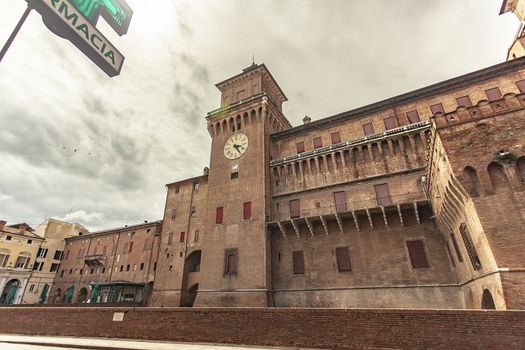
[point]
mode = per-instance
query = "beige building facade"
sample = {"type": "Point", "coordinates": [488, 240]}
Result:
{"type": "Point", "coordinates": [49, 258]}
{"type": "Point", "coordinates": [19, 248]}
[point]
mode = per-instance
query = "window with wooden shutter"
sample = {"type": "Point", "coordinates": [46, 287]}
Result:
{"type": "Point", "coordinates": [382, 195]}
{"type": "Point", "coordinates": [464, 101]}
{"type": "Point", "coordinates": [196, 236]}
{"type": "Point", "coordinates": [413, 117]}
{"type": "Point", "coordinates": [218, 216]}
{"type": "Point", "coordinates": [170, 238]}
{"type": "Point", "coordinates": [336, 138]}
{"type": "Point", "coordinates": [418, 257]}
{"type": "Point", "coordinates": [182, 237]}
{"type": "Point", "coordinates": [318, 143]}
{"type": "Point", "coordinates": [340, 202]}
{"type": "Point", "coordinates": [294, 209]}
{"type": "Point", "coordinates": [343, 259]}
{"type": "Point", "coordinates": [247, 211]}
{"type": "Point", "coordinates": [521, 85]}
{"type": "Point", "coordinates": [390, 123]}
{"type": "Point", "coordinates": [230, 262]}
{"type": "Point", "coordinates": [130, 247]}
{"type": "Point", "coordinates": [300, 147]}
{"type": "Point", "coordinates": [368, 129]}
{"type": "Point", "coordinates": [298, 262]}
{"type": "Point", "coordinates": [469, 245]}
{"type": "Point", "coordinates": [437, 108]}
{"type": "Point", "coordinates": [493, 94]}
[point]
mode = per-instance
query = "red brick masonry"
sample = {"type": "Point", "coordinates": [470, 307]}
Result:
{"type": "Point", "coordinates": [314, 328]}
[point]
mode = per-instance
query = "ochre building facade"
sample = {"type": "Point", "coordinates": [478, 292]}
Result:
{"type": "Point", "coordinates": [411, 202]}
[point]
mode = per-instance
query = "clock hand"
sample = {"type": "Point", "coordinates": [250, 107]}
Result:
{"type": "Point", "coordinates": [236, 146]}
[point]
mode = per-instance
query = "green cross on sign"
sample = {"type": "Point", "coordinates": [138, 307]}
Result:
{"type": "Point", "coordinates": [116, 12]}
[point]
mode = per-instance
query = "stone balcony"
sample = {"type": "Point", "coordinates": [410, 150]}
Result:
{"type": "Point", "coordinates": [398, 210]}
{"type": "Point", "coordinates": [95, 260]}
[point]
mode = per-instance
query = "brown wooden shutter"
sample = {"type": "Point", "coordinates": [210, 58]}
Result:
{"type": "Point", "coordinates": [413, 117]}
{"type": "Point", "coordinates": [416, 249]}
{"type": "Point", "coordinates": [390, 123]}
{"type": "Point", "coordinates": [196, 236]}
{"type": "Point", "coordinates": [170, 238]}
{"type": "Point", "coordinates": [340, 202]}
{"type": "Point", "coordinates": [437, 108]}
{"type": "Point", "coordinates": [318, 143]}
{"type": "Point", "coordinates": [343, 259]}
{"type": "Point", "coordinates": [464, 101]}
{"type": "Point", "coordinates": [247, 211]}
{"type": "Point", "coordinates": [218, 217]}
{"type": "Point", "coordinates": [231, 263]}
{"type": "Point", "coordinates": [382, 195]}
{"type": "Point", "coordinates": [493, 94]}
{"type": "Point", "coordinates": [300, 147]}
{"type": "Point", "coordinates": [521, 85]}
{"type": "Point", "coordinates": [294, 208]}
{"type": "Point", "coordinates": [336, 138]}
{"type": "Point", "coordinates": [182, 236]}
{"type": "Point", "coordinates": [298, 262]}
{"type": "Point", "coordinates": [130, 247]}
{"type": "Point", "coordinates": [368, 129]}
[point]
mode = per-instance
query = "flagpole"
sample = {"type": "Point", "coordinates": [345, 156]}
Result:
{"type": "Point", "coordinates": [15, 32]}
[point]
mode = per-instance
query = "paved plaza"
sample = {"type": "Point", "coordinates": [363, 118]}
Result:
{"type": "Point", "coordinates": [24, 342]}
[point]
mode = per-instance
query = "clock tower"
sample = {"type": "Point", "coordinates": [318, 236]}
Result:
{"type": "Point", "coordinates": [235, 263]}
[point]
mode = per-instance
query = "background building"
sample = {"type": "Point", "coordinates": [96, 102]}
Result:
{"type": "Point", "coordinates": [110, 266]}
{"type": "Point", "coordinates": [48, 258]}
{"type": "Point", "coordinates": [19, 247]}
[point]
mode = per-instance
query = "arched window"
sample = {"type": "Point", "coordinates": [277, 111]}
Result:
{"type": "Point", "coordinates": [520, 169]}
{"type": "Point", "coordinates": [238, 122]}
{"type": "Point", "coordinates": [193, 261]}
{"type": "Point", "coordinates": [487, 302]}
{"type": "Point", "coordinates": [82, 295]}
{"type": "Point", "coordinates": [471, 182]}
{"type": "Point", "coordinates": [498, 179]}
{"type": "Point", "coordinates": [232, 124]}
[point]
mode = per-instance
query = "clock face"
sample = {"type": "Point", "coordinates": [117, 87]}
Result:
{"type": "Point", "coordinates": [236, 146]}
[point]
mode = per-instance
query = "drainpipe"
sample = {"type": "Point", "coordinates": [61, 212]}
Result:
{"type": "Point", "coordinates": [114, 256]}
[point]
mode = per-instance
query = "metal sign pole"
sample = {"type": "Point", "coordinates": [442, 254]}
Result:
{"type": "Point", "coordinates": [15, 32]}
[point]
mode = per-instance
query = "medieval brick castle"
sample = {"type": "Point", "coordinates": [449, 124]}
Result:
{"type": "Point", "coordinates": [416, 201]}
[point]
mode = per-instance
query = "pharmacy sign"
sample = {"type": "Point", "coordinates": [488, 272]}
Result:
{"type": "Point", "coordinates": [76, 21]}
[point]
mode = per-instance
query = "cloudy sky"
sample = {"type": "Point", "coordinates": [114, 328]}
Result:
{"type": "Point", "coordinates": [79, 146]}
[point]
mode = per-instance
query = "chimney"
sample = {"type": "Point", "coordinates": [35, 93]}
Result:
{"type": "Point", "coordinates": [2, 224]}
{"type": "Point", "coordinates": [306, 119]}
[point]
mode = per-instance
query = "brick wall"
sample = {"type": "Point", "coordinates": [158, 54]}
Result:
{"type": "Point", "coordinates": [316, 328]}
